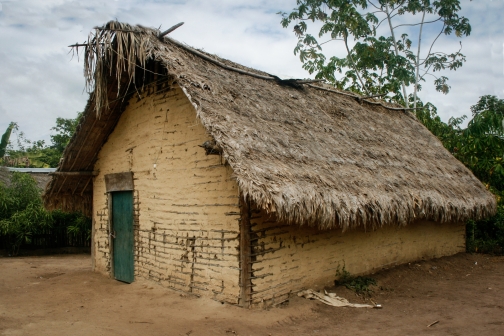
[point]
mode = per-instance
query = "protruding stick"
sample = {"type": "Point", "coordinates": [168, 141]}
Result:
{"type": "Point", "coordinates": [168, 31]}
{"type": "Point", "coordinates": [78, 45]}
{"type": "Point", "coordinates": [430, 325]}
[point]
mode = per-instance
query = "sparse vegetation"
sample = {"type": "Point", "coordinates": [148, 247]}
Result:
{"type": "Point", "coordinates": [359, 284]}
{"type": "Point", "coordinates": [36, 154]}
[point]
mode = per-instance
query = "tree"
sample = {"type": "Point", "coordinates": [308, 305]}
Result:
{"type": "Point", "coordinates": [36, 153]}
{"type": "Point", "coordinates": [6, 137]}
{"type": "Point", "coordinates": [65, 128]}
{"type": "Point", "coordinates": [378, 64]}
{"type": "Point", "coordinates": [479, 146]}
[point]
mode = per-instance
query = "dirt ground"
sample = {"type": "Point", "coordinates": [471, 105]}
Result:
{"type": "Point", "coordinates": [59, 295]}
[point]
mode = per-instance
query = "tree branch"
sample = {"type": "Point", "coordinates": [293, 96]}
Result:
{"type": "Point", "coordinates": [385, 18]}
{"type": "Point", "coordinates": [416, 24]}
{"type": "Point", "coordinates": [372, 4]}
{"type": "Point", "coordinates": [334, 39]}
{"type": "Point", "coordinates": [417, 61]}
{"type": "Point", "coordinates": [426, 73]}
{"type": "Point", "coordinates": [353, 63]}
{"type": "Point", "coordinates": [432, 45]}
{"type": "Point", "coordinates": [396, 51]}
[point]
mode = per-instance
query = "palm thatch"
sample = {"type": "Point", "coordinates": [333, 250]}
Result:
{"type": "Point", "coordinates": [311, 155]}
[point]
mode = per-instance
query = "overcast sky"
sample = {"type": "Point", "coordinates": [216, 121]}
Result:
{"type": "Point", "coordinates": [39, 80]}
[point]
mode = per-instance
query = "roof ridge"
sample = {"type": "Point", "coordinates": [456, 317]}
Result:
{"type": "Point", "coordinates": [210, 57]}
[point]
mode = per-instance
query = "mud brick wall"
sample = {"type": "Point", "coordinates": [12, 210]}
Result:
{"type": "Point", "coordinates": [100, 242]}
{"type": "Point", "coordinates": [288, 258]}
{"type": "Point", "coordinates": [186, 203]}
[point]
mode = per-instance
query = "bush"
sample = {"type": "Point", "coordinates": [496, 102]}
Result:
{"type": "Point", "coordinates": [486, 236]}
{"type": "Point", "coordinates": [75, 222]}
{"type": "Point", "coordinates": [21, 192]}
{"type": "Point", "coordinates": [21, 211]}
{"type": "Point", "coordinates": [22, 216]}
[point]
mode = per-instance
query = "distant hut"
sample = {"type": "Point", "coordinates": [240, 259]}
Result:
{"type": "Point", "coordinates": [227, 182]}
{"type": "Point", "coordinates": [40, 175]}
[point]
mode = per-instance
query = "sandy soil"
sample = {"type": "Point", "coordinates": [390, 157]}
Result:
{"type": "Point", "coordinates": [59, 295]}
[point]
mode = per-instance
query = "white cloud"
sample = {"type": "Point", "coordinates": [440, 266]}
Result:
{"type": "Point", "coordinates": [39, 81]}
{"type": "Point", "coordinates": [483, 73]}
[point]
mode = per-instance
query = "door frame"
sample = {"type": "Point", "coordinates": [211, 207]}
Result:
{"type": "Point", "coordinates": [116, 182]}
{"type": "Point", "coordinates": [122, 235]}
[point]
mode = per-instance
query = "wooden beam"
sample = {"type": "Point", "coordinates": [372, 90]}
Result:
{"type": "Point", "coordinates": [111, 237]}
{"type": "Point", "coordinates": [169, 30]}
{"type": "Point", "coordinates": [76, 186]}
{"type": "Point", "coordinates": [84, 189]}
{"type": "Point", "coordinates": [76, 173]}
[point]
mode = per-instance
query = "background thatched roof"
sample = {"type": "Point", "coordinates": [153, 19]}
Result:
{"type": "Point", "coordinates": [41, 176]}
{"type": "Point", "coordinates": [312, 156]}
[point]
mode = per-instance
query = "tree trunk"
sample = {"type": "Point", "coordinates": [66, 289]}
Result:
{"type": "Point", "coordinates": [389, 19]}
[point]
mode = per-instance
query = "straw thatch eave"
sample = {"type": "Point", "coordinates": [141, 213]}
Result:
{"type": "Point", "coordinates": [73, 192]}
{"type": "Point", "coordinates": [309, 155]}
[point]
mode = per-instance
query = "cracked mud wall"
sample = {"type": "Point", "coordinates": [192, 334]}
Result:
{"type": "Point", "coordinates": [288, 258]}
{"type": "Point", "coordinates": [186, 203]}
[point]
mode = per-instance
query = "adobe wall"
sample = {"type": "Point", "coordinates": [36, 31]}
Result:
{"type": "Point", "coordinates": [186, 203]}
{"type": "Point", "coordinates": [287, 258]}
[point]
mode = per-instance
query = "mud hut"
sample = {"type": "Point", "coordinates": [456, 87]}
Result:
{"type": "Point", "coordinates": [227, 182]}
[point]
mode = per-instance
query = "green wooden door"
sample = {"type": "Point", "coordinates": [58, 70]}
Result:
{"type": "Point", "coordinates": [122, 223]}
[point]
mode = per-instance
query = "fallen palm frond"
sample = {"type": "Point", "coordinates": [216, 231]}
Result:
{"type": "Point", "coordinates": [332, 299]}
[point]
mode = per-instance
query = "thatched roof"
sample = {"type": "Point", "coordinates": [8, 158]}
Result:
{"type": "Point", "coordinates": [312, 156]}
{"type": "Point", "coordinates": [40, 175]}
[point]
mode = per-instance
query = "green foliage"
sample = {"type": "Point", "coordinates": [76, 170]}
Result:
{"type": "Point", "coordinates": [21, 211]}
{"type": "Point", "coordinates": [48, 156]}
{"type": "Point", "coordinates": [36, 154]}
{"type": "Point", "coordinates": [5, 138]}
{"type": "Point", "coordinates": [486, 236]}
{"type": "Point", "coordinates": [360, 284]}
{"type": "Point", "coordinates": [480, 147]}
{"type": "Point", "coordinates": [377, 64]}
{"type": "Point", "coordinates": [75, 223]}
{"type": "Point", "coordinates": [65, 128]}
{"type": "Point", "coordinates": [22, 215]}
{"type": "Point", "coordinates": [22, 192]}
{"type": "Point", "coordinates": [27, 154]}
{"type": "Point", "coordinates": [22, 225]}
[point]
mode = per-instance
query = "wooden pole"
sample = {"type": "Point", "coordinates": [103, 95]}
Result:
{"type": "Point", "coordinates": [76, 173]}
{"type": "Point", "coordinates": [169, 30]}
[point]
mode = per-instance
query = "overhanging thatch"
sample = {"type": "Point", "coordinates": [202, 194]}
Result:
{"type": "Point", "coordinates": [311, 156]}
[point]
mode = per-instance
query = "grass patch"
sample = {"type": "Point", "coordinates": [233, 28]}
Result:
{"type": "Point", "coordinates": [359, 284]}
